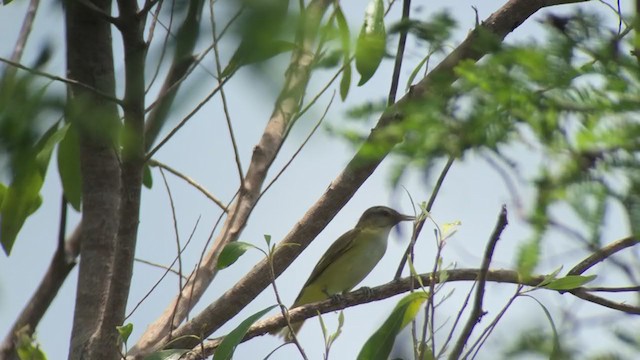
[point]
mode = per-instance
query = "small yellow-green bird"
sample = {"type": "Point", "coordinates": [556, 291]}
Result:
{"type": "Point", "coordinates": [349, 259]}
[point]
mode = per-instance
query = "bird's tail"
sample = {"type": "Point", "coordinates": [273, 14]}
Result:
{"type": "Point", "coordinates": [286, 333]}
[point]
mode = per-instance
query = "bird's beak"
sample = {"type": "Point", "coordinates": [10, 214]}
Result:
{"type": "Point", "coordinates": [406, 217]}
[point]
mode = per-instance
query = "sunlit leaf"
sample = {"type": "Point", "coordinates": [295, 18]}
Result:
{"type": "Point", "coordinates": [22, 197]}
{"type": "Point", "coordinates": [371, 44]}
{"type": "Point", "coordinates": [125, 331]}
{"type": "Point", "coordinates": [550, 277]}
{"type": "Point", "coordinates": [231, 253]}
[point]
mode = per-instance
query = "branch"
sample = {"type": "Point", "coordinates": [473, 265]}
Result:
{"type": "Point", "coordinates": [364, 296]}
{"type": "Point", "coordinates": [603, 254]}
{"type": "Point", "coordinates": [27, 25]}
{"type": "Point", "coordinates": [476, 312]}
{"type": "Point", "coordinates": [190, 181]}
{"type": "Point", "coordinates": [502, 22]}
{"type": "Point", "coordinates": [393, 288]}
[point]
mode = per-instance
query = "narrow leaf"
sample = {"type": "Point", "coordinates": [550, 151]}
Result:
{"type": "Point", "coordinates": [345, 82]}
{"type": "Point", "coordinates": [20, 200]}
{"type": "Point", "coordinates": [345, 39]}
{"type": "Point", "coordinates": [46, 144]}
{"type": "Point", "coordinates": [371, 44]}
{"type": "Point", "coordinates": [416, 70]}
{"type": "Point", "coordinates": [147, 179]}
{"type": "Point", "coordinates": [69, 168]}
{"type": "Point", "coordinates": [556, 337]}
{"type": "Point", "coordinates": [229, 343]}
{"type": "Point", "coordinates": [381, 342]}
{"type": "Point", "coordinates": [569, 282]}
{"type": "Point", "coordinates": [549, 278]}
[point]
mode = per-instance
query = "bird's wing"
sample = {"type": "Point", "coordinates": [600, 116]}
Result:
{"type": "Point", "coordinates": [339, 247]}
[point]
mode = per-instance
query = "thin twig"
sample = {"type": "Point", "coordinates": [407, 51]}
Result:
{"type": "Point", "coordinates": [397, 66]}
{"type": "Point", "coordinates": [61, 79]}
{"type": "Point", "coordinates": [25, 30]}
{"type": "Point", "coordinates": [159, 266]}
{"type": "Point", "coordinates": [175, 227]}
{"type": "Point", "coordinates": [223, 97]}
{"type": "Point", "coordinates": [164, 47]}
{"type": "Point", "coordinates": [167, 271]}
{"type": "Point", "coordinates": [191, 182]}
{"type": "Point", "coordinates": [185, 119]}
{"type": "Point", "coordinates": [476, 312]}
{"type": "Point", "coordinates": [283, 309]}
{"type": "Point", "coordinates": [295, 154]}
{"type": "Point", "coordinates": [613, 289]}
{"type": "Point", "coordinates": [477, 345]}
{"type": "Point", "coordinates": [430, 203]}
{"type": "Point", "coordinates": [445, 345]}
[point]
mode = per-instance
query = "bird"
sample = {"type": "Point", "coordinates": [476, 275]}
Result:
{"type": "Point", "coordinates": [348, 260]}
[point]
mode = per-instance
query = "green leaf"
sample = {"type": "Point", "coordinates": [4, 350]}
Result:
{"type": "Point", "coordinates": [125, 331]}
{"type": "Point", "coordinates": [549, 278]}
{"type": "Point", "coordinates": [172, 354]}
{"type": "Point", "coordinates": [345, 39]}
{"type": "Point", "coordinates": [267, 239]}
{"type": "Point", "coordinates": [147, 179]}
{"type": "Point", "coordinates": [228, 345]}
{"type": "Point", "coordinates": [27, 347]}
{"type": "Point", "coordinates": [416, 70]}
{"type": "Point", "coordinates": [371, 44]}
{"type": "Point", "coordinates": [231, 253]}
{"type": "Point", "coordinates": [556, 338]}
{"type": "Point", "coordinates": [69, 168]}
{"type": "Point", "coordinates": [381, 342]}
{"type": "Point", "coordinates": [345, 82]}
{"type": "Point", "coordinates": [569, 282]}
{"type": "Point", "coordinates": [3, 192]}
{"type": "Point", "coordinates": [20, 200]}
{"type": "Point", "coordinates": [46, 144]}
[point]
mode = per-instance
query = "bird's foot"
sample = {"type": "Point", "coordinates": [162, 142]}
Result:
{"type": "Point", "coordinates": [368, 293]}
{"type": "Point", "coordinates": [336, 298]}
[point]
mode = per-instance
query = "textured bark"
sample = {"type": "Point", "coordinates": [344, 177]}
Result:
{"type": "Point", "coordinates": [90, 61]}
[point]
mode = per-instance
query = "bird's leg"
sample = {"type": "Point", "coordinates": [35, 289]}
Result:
{"type": "Point", "coordinates": [368, 293]}
{"type": "Point", "coordinates": [336, 297]}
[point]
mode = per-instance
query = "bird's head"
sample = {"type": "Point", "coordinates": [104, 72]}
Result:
{"type": "Point", "coordinates": [381, 217]}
